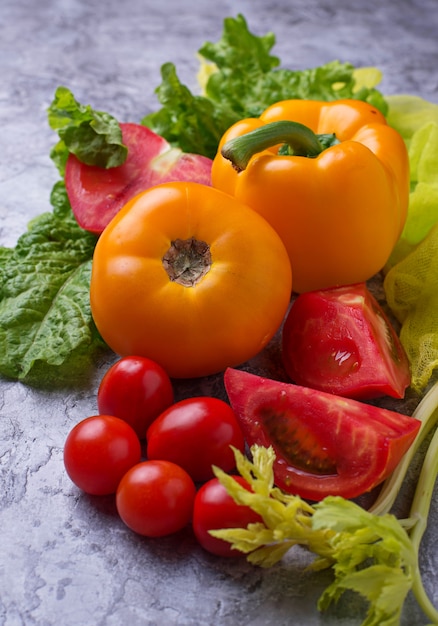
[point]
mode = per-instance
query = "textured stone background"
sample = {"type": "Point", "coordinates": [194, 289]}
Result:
{"type": "Point", "coordinates": [65, 558]}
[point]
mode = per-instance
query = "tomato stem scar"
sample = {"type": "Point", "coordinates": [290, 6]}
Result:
{"type": "Point", "coordinates": [187, 261]}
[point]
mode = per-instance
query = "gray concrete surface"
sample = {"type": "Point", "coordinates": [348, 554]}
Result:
{"type": "Point", "coordinates": [66, 558]}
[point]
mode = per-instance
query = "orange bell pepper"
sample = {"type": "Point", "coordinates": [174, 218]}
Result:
{"type": "Point", "coordinates": [332, 178]}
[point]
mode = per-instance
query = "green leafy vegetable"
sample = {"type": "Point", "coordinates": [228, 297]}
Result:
{"type": "Point", "coordinates": [45, 318]}
{"type": "Point", "coordinates": [262, 81]}
{"type": "Point", "coordinates": [93, 136]}
{"type": "Point", "coordinates": [407, 113]}
{"type": "Point", "coordinates": [412, 295]}
{"type": "Point", "coordinates": [423, 202]}
{"type": "Point", "coordinates": [412, 272]}
{"type": "Point", "coordinates": [372, 555]}
{"type": "Point", "coordinates": [417, 122]}
{"type": "Point", "coordinates": [192, 123]}
{"type": "Point", "coordinates": [197, 122]}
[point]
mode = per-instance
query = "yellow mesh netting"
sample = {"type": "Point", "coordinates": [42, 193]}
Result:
{"type": "Point", "coordinates": [411, 289]}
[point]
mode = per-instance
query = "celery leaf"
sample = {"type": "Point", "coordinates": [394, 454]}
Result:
{"type": "Point", "coordinates": [369, 554]}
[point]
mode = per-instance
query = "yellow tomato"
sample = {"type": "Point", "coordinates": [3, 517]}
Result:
{"type": "Point", "coordinates": [191, 278]}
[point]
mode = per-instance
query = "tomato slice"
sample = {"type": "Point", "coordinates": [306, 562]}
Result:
{"type": "Point", "coordinates": [96, 194]}
{"type": "Point", "coordinates": [340, 341]}
{"type": "Point", "coordinates": [324, 444]}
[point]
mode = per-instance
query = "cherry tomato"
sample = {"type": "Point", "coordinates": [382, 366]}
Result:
{"type": "Point", "coordinates": [215, 509]}
{"type": "Point", "coordinates": [99, 451]}
{"type": "Point", "coordinates": [137, 390]}
{"type": "Point", "coordinates": [196, 433]}
{"type": "Point", "coordinates": [155, 498]}
{"type": "Point", "coordinates": [340, 341]}
{"type": "Point", "coordinates": [324, 444]}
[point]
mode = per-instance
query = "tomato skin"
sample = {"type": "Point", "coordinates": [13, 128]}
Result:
{"type": "Point", "coordinates": [196, 433]}
{"type": "Point", "coordinates": [215, 509]}
{"type": "Point", "coordinates": [137, 390]}
{"type": "Point", "coordinates": [97, 194]}
{"type": "Point", "coordinates": [223, 317]}
{"type": "Point", "coordinates": [324, 444]}
{"type": "Point", "coordinates": [155, 498]}
{"type": "Point", "coordinates": [98, 451]}
{"type": "Point", "coordinates": [340, 341]}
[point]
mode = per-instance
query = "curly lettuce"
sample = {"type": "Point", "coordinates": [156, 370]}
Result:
{"type": "Point", "coordinates": [197, 122]}
{"type": "Point", "coordinates": [93, 136]}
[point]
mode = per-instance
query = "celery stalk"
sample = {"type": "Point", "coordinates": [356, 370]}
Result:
{"type": "Point", "coordinates": [427, 413]}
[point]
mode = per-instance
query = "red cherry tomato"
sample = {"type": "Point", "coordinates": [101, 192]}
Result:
{"type": "Point", "coordinates": [215, 509]}
{"type": "Point", "coordinates": [137, 390]}
{"type": "Point", "coordinates": [196, 433]}
{"type": "Point", "coordinates": [155, 498]}
{"type": "Point", "coordinates": [99, 451]}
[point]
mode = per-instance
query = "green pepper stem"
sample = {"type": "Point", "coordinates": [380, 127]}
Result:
{"type": "Point", "coordinates": [299, 139]}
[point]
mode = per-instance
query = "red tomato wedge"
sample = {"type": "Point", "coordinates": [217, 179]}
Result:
{"type": "Point", "coordinates": [324, 444]}
{"type": "Point", "coordinates": [96, 194]}
{"type": "Point", "coordinates": [340, 341]}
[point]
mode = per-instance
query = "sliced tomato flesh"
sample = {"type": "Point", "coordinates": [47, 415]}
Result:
{"type": "Point", "coordinates": [97, 194]}
{"type": "Point", "coordinates": [299, 446]}
{"type": "Point", "coordinates": [324, 444]}
{"type": "Point", "coordinates": [340, 340]}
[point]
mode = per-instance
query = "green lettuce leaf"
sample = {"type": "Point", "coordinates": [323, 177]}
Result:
{"type": "Point", "coordinates": [407, 113]}
{"type": "Point", "coordinates": [46, 327]}
{"type": "Point", "coordinates": [93, 136]}
{"type": "Point", "coordinates": [411, 274]}
{"type": "Point", "coordinates": [261, 81]}
{"type": "Point", "coordinates": [417, 122]}
{"type": "Point", "coordinates": [412, 295]}
{"type": "Point", "coordinates": [192, 123]}
{"type": "Point", "coordinates": [423, 202]}
{"type": "Point", "coordinates": [196, 122]}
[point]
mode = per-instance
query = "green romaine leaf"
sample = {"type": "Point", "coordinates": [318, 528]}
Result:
{"type": "Point", "coordinates": [46, 327]}
{"type": "Point", "coordinates": [245, 81]}
{"type": "Point", "coordinates": [93, 136]}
